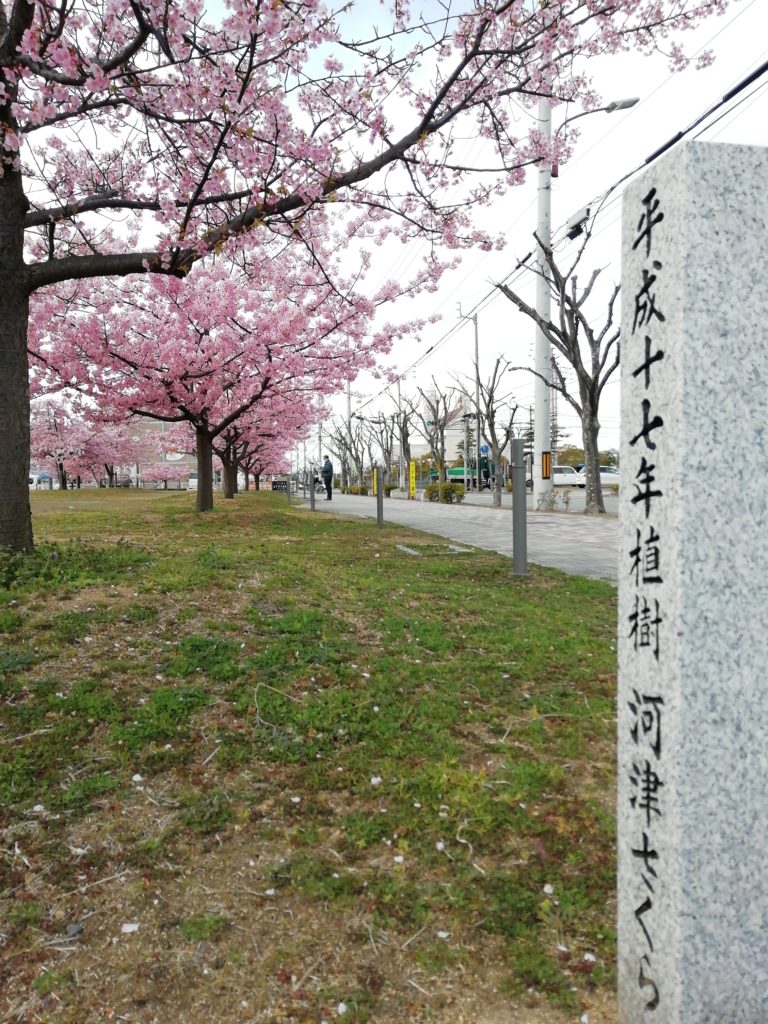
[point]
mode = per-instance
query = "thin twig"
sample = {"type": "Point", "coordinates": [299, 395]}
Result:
{"type": "Point", "coordinates": [409, 941]}
{"type": "Point", "coordinates": [28, 735]}
{"type": "Point", "coordinates": [211, 756]}
{"type": "Point", "coordinates": [410, 981]}
{"type": "Point", "coordinates": [90, 885]}
{"type": "Point", "coordinates": [309, 970]}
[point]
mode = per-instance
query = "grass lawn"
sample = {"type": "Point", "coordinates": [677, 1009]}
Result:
{"type": "Point", "coordinates": [264, 766]}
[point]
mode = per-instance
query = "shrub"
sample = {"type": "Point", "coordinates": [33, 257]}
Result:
{"type": "Point", "coordinates": [450, 493]}
{"type": "Point", "coordinates": [388, 488]}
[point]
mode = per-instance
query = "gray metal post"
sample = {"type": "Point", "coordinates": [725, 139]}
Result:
{"type": "Point", "coordinates": [311, 489]}
{"type": "Point", "coordinates": [379, 495]}
{"type": "Point", "coordinates": [519, 515]}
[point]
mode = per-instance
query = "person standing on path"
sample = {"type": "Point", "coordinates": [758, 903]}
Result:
{"type": "Point", "coordinates": [328, 478]}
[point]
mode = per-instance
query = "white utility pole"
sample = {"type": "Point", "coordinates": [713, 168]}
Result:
{"type": "Point", "coordinates": [401, 480]}
{"type": "Point", "coordinates": [473, 318]}
{"type": "Point", "coordinates": [542, 429]}
{"type": "Point", "coordinates": [542, 455]}
{"type": "Point", "coordinates": [477, 400]}
{"type": "Point", "coordinates": [349, 428]}
{"type": "Point", "coordinates": [467, 471]}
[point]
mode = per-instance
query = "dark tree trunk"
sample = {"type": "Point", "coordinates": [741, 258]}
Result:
{"type": "Point", "coordinates": [590, 428]}
{"type": "Point", "coordinates": [229, 478]}
{"type": "Point", "coordinates": [256, 481]}
{"type": "Point", "coordinates": [204, 471]}
{"type": "Point", "coordinates": [498, 482]}
{"type": "Point", "coordinates": [245, 480]}
{"type": "Point", "coordinates": [61, 473]}
{"type": "Point", "coordinates": [15, 511]}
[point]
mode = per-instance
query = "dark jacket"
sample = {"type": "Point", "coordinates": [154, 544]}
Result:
{"type": "Point", "coordinates": [327, 471]}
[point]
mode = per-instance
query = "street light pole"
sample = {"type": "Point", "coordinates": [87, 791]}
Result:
{"type": "Point", "coordinates": [401, 480]}
{"type": "Point", "coordinates": [349, 423]}
{"type": "Point", "coordinates": [467, 472]}
{"type": "Point", "coordinates": [542, 432]}
{"type": "Point", "coordinates": [542, 456]}
{"type": "Point", "coordinates": [477, 400]}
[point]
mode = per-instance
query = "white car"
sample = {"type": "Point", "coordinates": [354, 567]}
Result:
{"type": "Point", "coordinates": [609, 476]}
{"type": "Point", "coordinates": [566, 476]}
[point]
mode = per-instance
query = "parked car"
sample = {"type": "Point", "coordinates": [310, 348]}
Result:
{"type": "Point", "coordinates": [609, 476]}
{"type": "Point", "coordinates": [566, 476]}
{"type": "Point", "coordinates": [40, 482]}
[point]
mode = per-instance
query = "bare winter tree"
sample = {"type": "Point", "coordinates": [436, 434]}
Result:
{"type": "Point", "coordinates": [403, 422]}
{"type": "Point", "coordinates": [592, 352]}
{"type": "Point", "coordinates": [347, 443]}
{"type": "Point", "coordinates": [380, 439]}
{"type": "Point", "coordinates": [432, 416]}
{"type": "Point", "coordinates": [497, 414]}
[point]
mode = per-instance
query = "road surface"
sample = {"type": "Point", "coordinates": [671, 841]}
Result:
{"type": "Point", "coordinates": [578, 544]}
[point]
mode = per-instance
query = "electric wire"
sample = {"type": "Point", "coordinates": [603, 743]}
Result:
{"type": "Point", "coordinates": [607, 199]}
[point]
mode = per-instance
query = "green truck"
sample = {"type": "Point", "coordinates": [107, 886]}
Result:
{"type": "Point", "coordinates": [457, 474]}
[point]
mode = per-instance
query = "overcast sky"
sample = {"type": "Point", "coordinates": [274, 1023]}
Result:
{"type": "Point", "coordinates": [611, 145]}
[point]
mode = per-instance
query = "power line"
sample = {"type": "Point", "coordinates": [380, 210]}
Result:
{"type": "Point", "coordinates": [583, 153]}
{"type": "Point", "coordinates": [606, 197]}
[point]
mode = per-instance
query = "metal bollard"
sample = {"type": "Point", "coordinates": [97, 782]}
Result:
{"type": "Point", "coordinates": [519, 512]}
{"type": "Point", "coordinates": [379, 488]}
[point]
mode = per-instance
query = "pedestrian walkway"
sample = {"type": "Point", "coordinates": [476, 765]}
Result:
{"type": "Point", "coordinates": [578, 544]}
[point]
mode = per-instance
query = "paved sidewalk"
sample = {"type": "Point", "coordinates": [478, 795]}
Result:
{"type": "Point", "coordinates": [578, 544]}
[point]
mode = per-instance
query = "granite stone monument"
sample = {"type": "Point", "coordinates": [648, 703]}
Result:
{"type": "Point", "coordinates": [693, 591]}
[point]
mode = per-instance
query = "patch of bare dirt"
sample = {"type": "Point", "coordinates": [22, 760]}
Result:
{"type": "Point", "coordinates": [129, 942]}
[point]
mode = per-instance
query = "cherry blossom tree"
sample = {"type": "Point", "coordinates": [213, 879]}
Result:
{"type": "Point", "coordinates": [258, 440]}
{"type": "Point", "coordinates": [136, 136]}
{"type": "Point", "coordinates": [207, 349]}
{"type": "Point", "coordinates": [57, 439]}
{"type": "Point", "coordinates": [164, 472]}
{"type": "Point", "coordinates": [76, 443]}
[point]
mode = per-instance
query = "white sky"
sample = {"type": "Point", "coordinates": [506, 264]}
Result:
{"type": "Point", "coordinates": [610, 146]}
